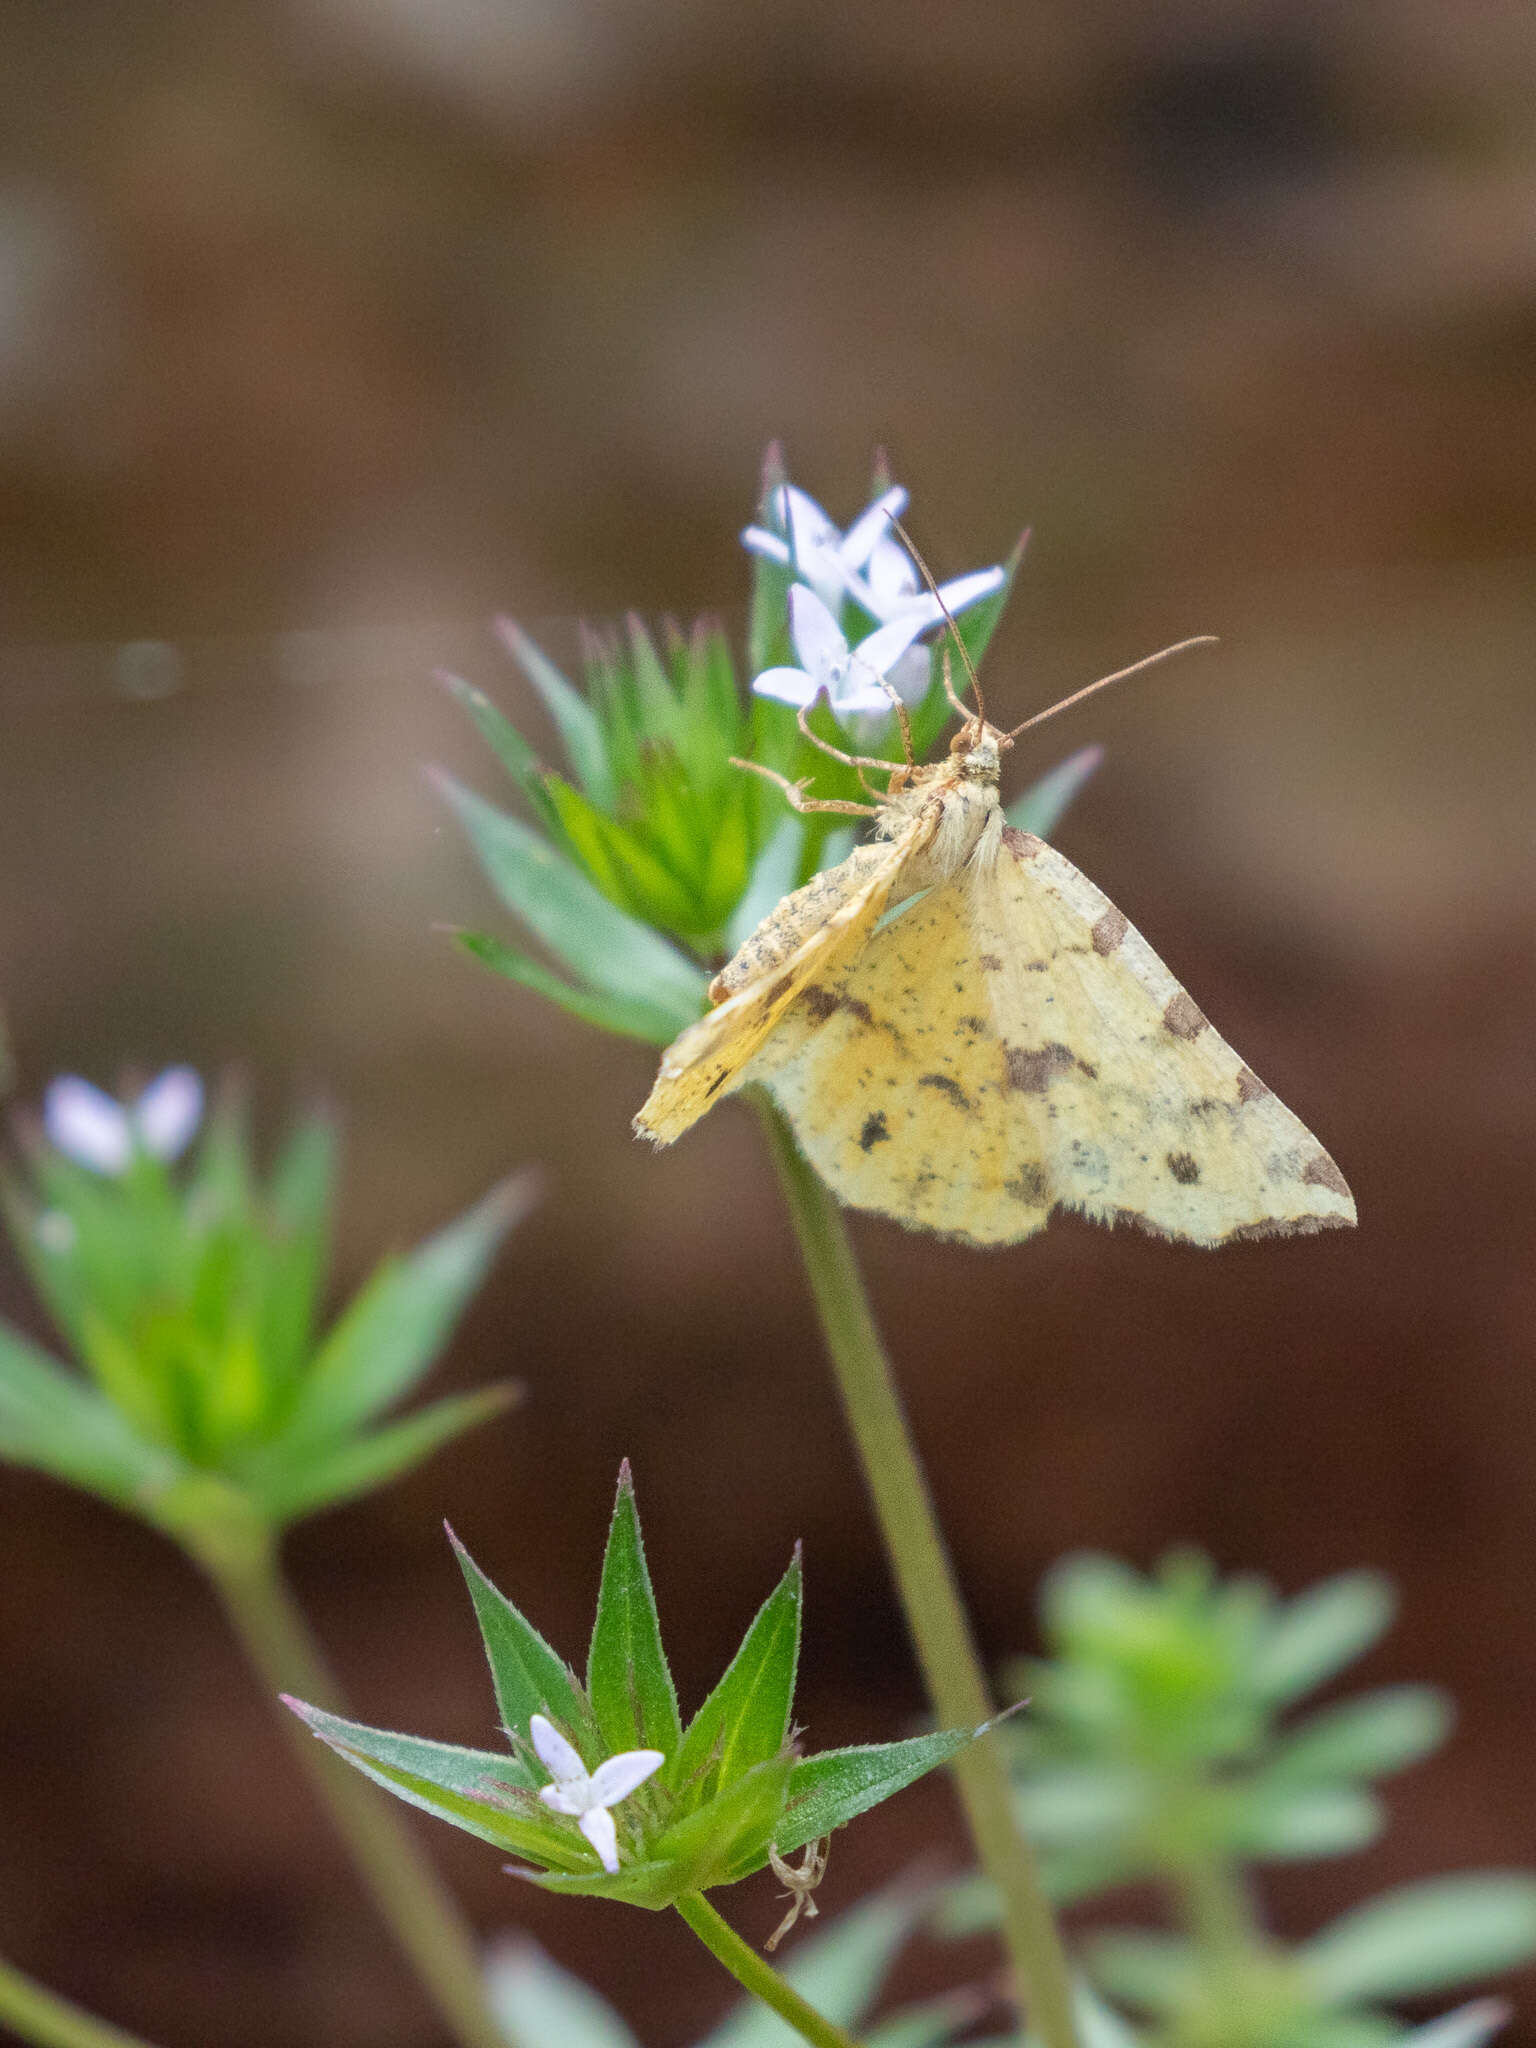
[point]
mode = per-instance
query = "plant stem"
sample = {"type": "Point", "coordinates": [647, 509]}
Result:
{"type": "Point", "coordinates": [749, 1969]}
{"type": "Point", "coordinates": [402, 1882]}
{"type": "Point", "coordinates": [1217, 1913]}
{"type": "Point", "coordinates": [925, 1578]}
{"type": "Point", "coordinates": [36, 2014]}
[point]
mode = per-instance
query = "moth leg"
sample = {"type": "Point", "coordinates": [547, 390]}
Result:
{"type": "Point", "coordinates": [795, 791]}
{"type": "Point", "coordinates": [802, 718]}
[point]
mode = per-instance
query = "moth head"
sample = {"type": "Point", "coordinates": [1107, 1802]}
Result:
{"type": "Point", "coordinates": [977, 751]}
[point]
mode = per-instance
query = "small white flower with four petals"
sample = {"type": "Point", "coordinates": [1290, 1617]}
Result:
{"type": "Point", "coordinates": [808, 543]}
{"type": "Point", "coordinates": [849, 675]}
{"type": "Point", "coordinates": [97, 1131]}
{"type": "Point", "coordinates": [586, 1796]}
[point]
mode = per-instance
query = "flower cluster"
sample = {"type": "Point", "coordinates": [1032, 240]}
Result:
{"type": "Point", "coordinates": [651, 856]}
{"type": "Point", "coordinates": [188, 1290]}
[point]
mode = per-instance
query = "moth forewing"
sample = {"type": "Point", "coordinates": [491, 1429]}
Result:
{"type": "Point", "coordinates": [1008, 1045]}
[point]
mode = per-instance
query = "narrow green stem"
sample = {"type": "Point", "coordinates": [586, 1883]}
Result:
{"type": "Point", "coordinates": [53, 2022]}
{"type": "Point", "coordinates": [406, 1889]}
{"type": "Point", "coordinates": [1218, 1914]}
{"type": "Point", "coordinates": [925, 1578]}
{"type": "Point", "coordinates": [749, 1969]}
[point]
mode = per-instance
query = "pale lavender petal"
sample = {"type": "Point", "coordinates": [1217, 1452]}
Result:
{"type": "Point", "coordinates": [618, 1777]}
{"type": "Point", "coordinates": [786, 686]}
{"type": "Point", "coordinates": [862, 699]}
{"type": "Point", "coordinates": [961, 591]}
{"type": "Point", "coordinates": [569, 1798]}
{"type": "Point", "coordinates": [761, 542]}
{"type": "Point", "coordinates": [880, 651]}
{"type": "Point", "coordinates": [863, 539]}
{"type": "Point", "coordinates": [1469, 2026]}
{"type": "Point", "coordinates": [86, 1125]}
{"type": "Point", "coordinates": [910, 675]}
{"type": "Point", "coordinates": [811, 532]}
{"type": "Point", "coordinates": [891, 576]}
{"type": "Point", "coordinates": [818, 640]}
{"type": "Point", "coordinates": [169, 1111]}
{"type": "Point", "coordinates": [562, 1762]}
{"type": "Point", "coordinates": [600, 1831]}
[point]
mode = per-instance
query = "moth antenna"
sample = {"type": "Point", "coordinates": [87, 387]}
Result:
{"type": "Point", "coordinates": [949, 619]}
{"type": "Point", "coordinates": [949, 681]}
{"type": "Point", "coordinates": [1119, 676]}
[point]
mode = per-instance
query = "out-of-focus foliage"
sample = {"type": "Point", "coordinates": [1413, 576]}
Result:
{"type": "Point", "coordinates": [190, 1299]}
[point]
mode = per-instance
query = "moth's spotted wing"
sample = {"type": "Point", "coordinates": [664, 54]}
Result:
{"type": "Point", "coordinates": [705, 1062]}
{"type": "Point", "coordinates": [1012, 1044]}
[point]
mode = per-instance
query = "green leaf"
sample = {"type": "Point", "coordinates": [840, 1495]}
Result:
{"type": "Point", "coordinates": [1423, 1937]}
{"type": "Point", "coordinates": [53, 1421]}
{"type": "Point", "coordinates": [540, 2005]}
{"type": "Point", "coordinates": [1156, 1973]}
{"type": "Point", "coordinates": [837, 1970]}
{"type": "Point", "coordinates": [401, 1318]}
{"type": "Point", "coordinates": [484, 1793]}
{"type": "Point", "coordinates": [1291, 1823]}
{"type": "Point", "coordinates": [745, 1720]}
{"type": "Point", "coordinates": [529, 1677]}
{"type": "Point", "coordinates": [648, 1022]}
{"type": "Point", "coordinates": [1043, 805]}
{"type": "Point", "coordinates": [601, 945]}
{"type": "Point", "coordinates": [290, 1482]}
{"type": "Point", "coordinates": [1319, 1632]}
{"type": "Point", "coordinates": [1364, 1738]}
{"type": "Point", "coordinates": [628, 1681]}
{"type": "Point", "coordinates": [574, 717]}
{"type": "Point", "coordinates": [1061, 1804]}
{"type": "Point", "coordinates": [773, 877]}
{"type": "Point", "coordinates": [728, 1839]}
{"type": "Point", "coordinates": [827, 1790]}
{"type": "Point", "coordinates": [299, 1199]}
{"type": "Point", "coordinates": [507, 743]}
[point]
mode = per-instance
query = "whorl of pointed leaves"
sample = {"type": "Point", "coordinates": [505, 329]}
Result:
{"type": "Point", "coordinates": [189, 1298]}
{"type": "Point", "coordinates": [646, 857]}
{"type": "Point", "coordinates": [731, 1781]}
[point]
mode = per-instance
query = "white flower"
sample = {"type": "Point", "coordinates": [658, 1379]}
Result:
{"type": "Point", "coordinates": [1469, 2026]}
{"type": "Point", "coordinates": [867, 562]}
{"type": "Point", "coordinates": [808, 543]}
{"type": "Point", "coordinates": [849, 675]}
{"type": "Point", "coordinates": [585, 1796]}
{"type": "Point", "coordinates": [97, 1131]}
{"type": "Point", "coordinates": [892, 586]}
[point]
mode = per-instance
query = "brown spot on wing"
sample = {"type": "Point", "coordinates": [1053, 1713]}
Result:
{"type": "Point", "coordinates": [1110, 930]}
{"type": "Point", "coordinates": [1322, 1173]}
{"type": "Point", "coordinates": [1183, 1017]}
{"type": "Point", "coordinates": [976, 1025]}
{"type": "Point", "coordinates": [1022, 845]}
{"type": "Point", "coordinates": [990, 962]}
{"type": "Point", "coordinates": [857, 1009]}
{"type": "Point", "coordinates": [875, 1131]}
{"type": "Point", "coordinates": [1249, 1087]}
{"type": "Point", "coordinates": [820, 1001]}
{"type": "Point", "coordinates": [1029, 1185]}
{"type": "Point", "coordinates": [946, 1086]}
{"type": "Point", "coordinates": [1032, 1072]}
{"type": "Point", "coordinates": [1184, 1167]}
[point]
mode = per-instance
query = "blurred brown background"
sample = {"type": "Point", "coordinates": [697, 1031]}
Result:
{"type": "Point", "coordinates": [329, 328]}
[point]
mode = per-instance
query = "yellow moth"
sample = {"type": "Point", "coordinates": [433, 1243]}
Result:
{"type": "Point", "coordinates": [1004, 1046]}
